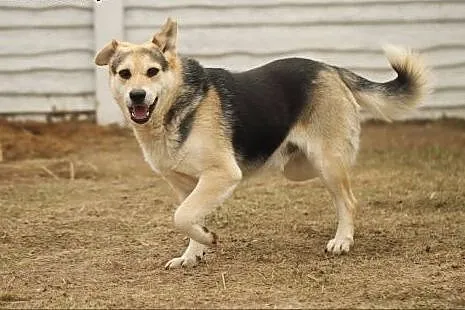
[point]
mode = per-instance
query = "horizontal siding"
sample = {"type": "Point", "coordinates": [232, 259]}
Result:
{"type": "Point", "coordinates": [47, 46]}
{"type": "Point", "coordinates": [48, 82]}
{"type": "Point", "coordinates": [388, 13]}
{"type": "Point", "coordinates": [59, 17]}
{"type": "Point", "coordinates": [446, 97]}
{"type": "Point", "coordinates": [37, 103]}
{"type": "Point", "coordinates": [45, 4]}
{"type": "Point", "coordinates": [431, 113]}
{"type": "Point", "coordinates": [215, 41]}
{"type": "Point", "coordinates": [46, 51]}
{"type": "Point", "coordinates": [243, 34]}
{"type": "Point", "coordinates": [42, 41]}
{"type": "Point", "coordinates": [169, 4]}
{"type": "Point", "coordinates": [55, 61]}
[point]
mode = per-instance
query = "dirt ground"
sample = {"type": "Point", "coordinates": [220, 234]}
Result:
{"type": "Point", "coordinates": [84, 223]}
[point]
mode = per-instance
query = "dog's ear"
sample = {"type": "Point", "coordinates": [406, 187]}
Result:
{"type": "Point", "coordinates": [166, 38]}
{"type": "Point", "coordinates": [103, 56]}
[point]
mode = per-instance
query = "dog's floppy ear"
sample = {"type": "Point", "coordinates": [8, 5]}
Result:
{"type": "Point", "coordinates": [103, 56]}
{"type": "Point", "coordinates": [166, 38]}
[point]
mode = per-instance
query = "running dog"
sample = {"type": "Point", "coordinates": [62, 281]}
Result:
{"type": "Point", "coordinates": [206, 129]}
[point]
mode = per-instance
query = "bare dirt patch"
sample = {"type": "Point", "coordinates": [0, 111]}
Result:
{"type": "Point", "coordinates": [101, 238]}
{"type": "Point", "coordinates": [26, 140]}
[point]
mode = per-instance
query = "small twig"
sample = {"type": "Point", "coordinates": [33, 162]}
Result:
{"type": "Point", "coordinates": [71, 170]}
{"type": "Point", "coordinates": [94, 167]}
{"type": "Point", "coordinates": [222, 278]}
{"type": "Point", "coordinates": [313, 278]}
{"type": "Point", "coordinates": [50, 172]}
{"type": "Point", "coordinates": [143, 242]}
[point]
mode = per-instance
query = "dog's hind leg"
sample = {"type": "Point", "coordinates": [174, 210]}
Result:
{"type": "Point", "coordinates": [332, 157]}
{"type": "Point", "coordinates": [183, 185]}
{"type": "Point", "coordinates": [330, 164]}
{"type": "Point", "coordinates": [329, 134]}
{"type": "Point", "coordinates": [334, 174]}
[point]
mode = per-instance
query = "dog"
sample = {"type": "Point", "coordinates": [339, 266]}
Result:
{"type": "Point", "coordinates": [203, 130]}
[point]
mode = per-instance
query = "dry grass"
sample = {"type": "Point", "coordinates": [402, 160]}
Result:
{"type": "Point", "coordinates": [101, 239]}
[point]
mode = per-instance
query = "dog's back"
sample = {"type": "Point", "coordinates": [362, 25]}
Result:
{"type": "Point", "coordinates": [262, 104]}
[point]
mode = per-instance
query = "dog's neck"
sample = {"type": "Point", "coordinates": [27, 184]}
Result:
{"type": "Point", "coordinates": [190, 93]}
{"type": "Point", "coordinates": [170, 127]}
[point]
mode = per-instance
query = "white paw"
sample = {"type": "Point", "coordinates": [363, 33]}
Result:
{"type": "Point", "coordinates": [339, 245]}
{"type": "Point", "coordinates": [194, 254]}
{"type": "Point", "coordinates": [180, 262]}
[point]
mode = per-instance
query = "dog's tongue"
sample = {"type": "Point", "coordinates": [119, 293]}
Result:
{"type": "Point", "coordinates": [140, 111]}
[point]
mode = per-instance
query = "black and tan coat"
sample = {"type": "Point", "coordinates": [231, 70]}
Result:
{"type": "Point", "coordinates": [205, 129]}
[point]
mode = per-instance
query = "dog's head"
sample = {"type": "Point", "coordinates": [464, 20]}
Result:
{"type": "Point", "coordinates": [142, 76]}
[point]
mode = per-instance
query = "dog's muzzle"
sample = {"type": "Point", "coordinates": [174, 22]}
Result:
{"type": "Point", "coordinates": [140, 111]}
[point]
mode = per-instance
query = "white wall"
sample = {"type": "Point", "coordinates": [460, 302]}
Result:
{"type": "Point", "coordinates": [108, 25]}
{"type": "Point", "coordinates": [46, 52]}
{"type": "Point", "coordinates": [47, 46]}
{"type": "Point", "coordinates": [242, 34]}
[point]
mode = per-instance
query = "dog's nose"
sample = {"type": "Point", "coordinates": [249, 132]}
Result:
{"type": "Point", "coordinates": [137, 95]}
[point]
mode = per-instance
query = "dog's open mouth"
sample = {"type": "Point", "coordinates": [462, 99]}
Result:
{"type": "Point", "coordinates": [140, 113]}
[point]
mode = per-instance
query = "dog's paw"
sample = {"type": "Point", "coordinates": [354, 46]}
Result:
{"type": "Point", "coordinates": [339, 245]}
{"type": "Point", "coordinates": [194, 254]}
{"type": "Point", "coordinates": [185, 261]}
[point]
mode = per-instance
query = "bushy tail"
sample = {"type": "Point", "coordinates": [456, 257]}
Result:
{"type": "Point", "coordinates": [390, 100]}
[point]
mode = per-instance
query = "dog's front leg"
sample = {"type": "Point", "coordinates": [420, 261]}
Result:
{"type": "Point", "coordinates": [183, 185]}
{"type": "Point", "coordinates": [213, 187]}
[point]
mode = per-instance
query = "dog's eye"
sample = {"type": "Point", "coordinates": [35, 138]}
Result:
{"type": "Point", "coordinates": [152, 72]}
{"type": "Point", "coordinates": [125, 74]}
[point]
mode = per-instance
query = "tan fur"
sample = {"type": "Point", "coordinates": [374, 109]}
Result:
{"type": "Point", "coordinates": [209, 144]}
{"type": "Point", "coordinates": [328, 131]}
{"type": "Point", "coordinates": [390, 108]}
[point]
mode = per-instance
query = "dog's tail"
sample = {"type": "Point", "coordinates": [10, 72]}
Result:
{"type": "Point", "coordinates": [391, 99]}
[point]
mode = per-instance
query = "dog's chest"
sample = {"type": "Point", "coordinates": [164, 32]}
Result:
{"type": "Point", "coordinates": [156, 151]}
